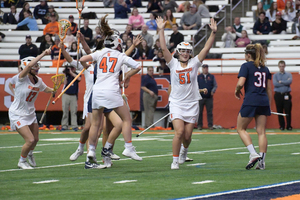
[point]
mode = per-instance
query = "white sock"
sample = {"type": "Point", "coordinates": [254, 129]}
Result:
{"type": "Point", "coordinates": [108, 145]}
{"type": "Point", "coordinates": [81, 146]}
{"type": "Point", "coordinates": [22, 159]}
{"type": "Point", "coordinates": [263, 155]}
{"type": "Point", "coordinates": [92, 148]}
{"type": "Point", "coordinates": [30, 152]}
{"type": "Point", "coordinates": [175, 159]}
{"type": "Point", "coordinates": [251, 149]}
{"type": "Point", "coordinates": [128, 145]}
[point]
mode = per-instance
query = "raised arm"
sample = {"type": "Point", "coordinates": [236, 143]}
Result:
{"type": "Point", "coordinates": [135, 43]}
{"type": "Point", "coordinates": [160, 27]}
{"type": "Point", "coordinates": [65, 53]}
{"type": "Point", "coordinates": [85, 46]}
{"type": "Point", "coordinates": [210, 41]}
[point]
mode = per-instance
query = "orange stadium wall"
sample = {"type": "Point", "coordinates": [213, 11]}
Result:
{"type": "Point", "coordinates": [226, 106]}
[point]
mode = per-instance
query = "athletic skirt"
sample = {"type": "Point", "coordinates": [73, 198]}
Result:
{"type": "Point", "coordinates": [89, 106]}
{"type": "Point", "coordinates": [252, 111]}
{"type": "Point", "coordinates": [107, 99]}
{"type": "Point", "coordinates": [18, 121]}
{"type": "Point", "coordinates": [187, 112]}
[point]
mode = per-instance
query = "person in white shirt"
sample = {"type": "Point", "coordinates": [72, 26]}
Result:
{"type": "Point", "coordinates": [106, 90]}
{"type": "Point", "coordinates": [289, 13]}
{"type": "Point", "coordinates": [185, 94]}
{"type": "Point", "coordinates": [22, 111]}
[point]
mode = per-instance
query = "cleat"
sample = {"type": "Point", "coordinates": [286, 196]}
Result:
{"type": "Point", "coordinates": [254, 158]}
{"type": "Point", "coordinates": [109, 153]}
{"type": "Point", "coordinates": [92, 157]}
{"type": "Point", "coordinates": [130, 152]}
{"type": "Point", "coordinates": [89, 165]}
{"type": "Point", "coordinates": [31, 160]}
{"type": "Point", "coordinates": [174, 165]}
{"type": "Point", "coordinates": [107, 161]}
{"type": "Point", "coordinates": [182, 155]}
{"type": "Point", "coordinates": [188, 159]}
{"type": "Point", "coordinates": [24, 165]}
{"type": "Point", "coordinates": [76, 154]}
{"type": "Point", "coordinates": [261, 165]}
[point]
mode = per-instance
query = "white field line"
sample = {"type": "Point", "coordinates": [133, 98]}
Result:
{"type": "Point", "coordinates": [47, 181]}
{"type": "Point", "coordinates": [153, 156]}
{"type": "Point", "coordinates": [196, 164]}
{"type": "Point", "coordinates": [238, 191]}
{"type": "Point", "coordinates": [39, 145]}
{"type": "Point", "coordinates": [126, 181]}
{"type": "Point", "coordinates": [203, 182]}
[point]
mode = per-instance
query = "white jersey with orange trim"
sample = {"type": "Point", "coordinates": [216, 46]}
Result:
{"type": "Point", "coordinates": [25, 95]}
{"type": "Point", "coordinates": [109, 64]}
{"type": "Point", "coordinates": [184, 81]}
{"type": "Point", "coordinates": [14, 79]}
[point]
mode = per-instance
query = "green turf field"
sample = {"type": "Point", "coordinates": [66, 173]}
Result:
{"type": "Point", "coordinates": [219, 159]}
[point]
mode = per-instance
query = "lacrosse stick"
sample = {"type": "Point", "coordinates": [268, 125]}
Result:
{"type": "Point", "coordinates": [53, 102]}
{"type": "Point", "coordinates": [57, 80]}
{"type": "Point", "coordinates": [276, 113]}
{"type": "Point", "coordinates": [123, 87]}
{"type": "Point", "coordinates": [152, 125]}
{"type": "Point", "coordinates": [79, 7]}
{"type": "Point", "coordinates": [63, 26]}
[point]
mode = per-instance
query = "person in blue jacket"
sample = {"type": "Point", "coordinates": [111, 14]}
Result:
{"type": "Point", "coordinates": [262, 25]}
{"type": "Point", "coordinates": [29, 21]}
{"type": "Point", "coordinates": [121, 9]}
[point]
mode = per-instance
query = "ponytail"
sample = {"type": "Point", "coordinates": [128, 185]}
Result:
{"type": "Point", "coordinates": [257, 53]}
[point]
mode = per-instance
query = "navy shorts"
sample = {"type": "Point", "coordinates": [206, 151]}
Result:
{"type": "Point", "coordinates": [252, 111]}
{"type": "Point", "coordinates": [90, 106]}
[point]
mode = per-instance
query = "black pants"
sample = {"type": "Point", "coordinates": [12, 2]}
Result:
{"type": "Point", "coordinates": [283, 105]}
{"type": "Point", "coordinates": [208, 102]}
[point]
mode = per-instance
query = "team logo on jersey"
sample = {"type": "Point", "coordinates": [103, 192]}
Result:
{"type": "Point", "coordinates": [184, 70]}
{"type": "Point", "coordinates": [33, 88]}
{"type": "Point", "coordinates": [18, 123]}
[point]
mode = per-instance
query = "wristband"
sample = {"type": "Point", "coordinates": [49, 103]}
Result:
{"type": "Point", "coordinates": [214, 32]}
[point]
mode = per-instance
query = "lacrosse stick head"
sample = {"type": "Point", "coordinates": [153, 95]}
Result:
{"type": "Point", "coordinates": [57, 81]}
{"type": "Point", "coordinates": [79, 5]}
{"type": "Point", "coordinates": [63, 27]}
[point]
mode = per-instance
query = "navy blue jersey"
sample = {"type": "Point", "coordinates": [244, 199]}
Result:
{"type": "Point", "coordinates": [256, 84]}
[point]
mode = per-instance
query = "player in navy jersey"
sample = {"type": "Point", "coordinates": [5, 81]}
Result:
{"type": "Point", "coordinates": [255, 77]}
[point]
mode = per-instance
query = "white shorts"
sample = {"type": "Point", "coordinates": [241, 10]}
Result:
{"type": "Point", "coordinates": [18, 121]}
{"type": "Point", "coordinates": [107, 99]}
{"type": "Point", "coordinates": [85, 109]}
{"type": "Point", "coordinates": [187, 112]}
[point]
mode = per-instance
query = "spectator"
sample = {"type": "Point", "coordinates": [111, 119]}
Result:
{"type": "Point", "coordinates": [72, 50]}
{"type": "Point", "coordinates": [281, 4]}
{"type": "Point", "coordinates": [190, 20]}
{"type": "Point", "coordinates": [295, 25]}
{"type": "Point", "coordinates": [2, 36]}
{"type": "Point", "coordinates": [136, 20]}
{"type": "Point", "coordinates": [262, 25]}
{"type": "Point", "coordinates": [169, 5]}
{"type": "Point", "coordinates": [265, 48]}
{"type": "Point", "coordinates": [279, 25]}
{"type": "Point", "coordinates": [55, 54]}
{"type": "Point", "coordinates": [128, 31]}
{"type": "Point", "coordinates": [257, 11]}
{"type": "Point", "coordinates": [162, 68]}
{"type": "Point", "coordinates": [208, 81]}
{"type": "Point", "coordinates": [237, 27]}
{"type": "Point", "coordinates": [28, 49]}
{"type": "Point", "coordinates": [74, 27]}
{"type": "Point", "coordinates": [52, 27]}
{"type": "Point", "coordinates": [12, 17]}
{"type": "Point", "coordinates": [154, 6]}
{"type": "Point", "coordinates": [266, 4]}
{"type": "Point", "coordinates": [152, 22]}
{"type": "Point", "coordinates": [108, 3]}
{"type": "Point", "coordinates": [134, 3]}
{"type": "Point", "coordinates": [46, 43]}
{"type": "Point", "coordinates": [153, 52]}
{"type": "Point", "coordinates": [26, 7]}
{"type": "Point", "coordinates": [143, 50]}
{"type": "Point", "coordinates": [150, 96]}
{"type": "Point", "coordinates": [156, 36]}
{"type": "Point", "coordinates": [69, 99]}
{"type": "Point", "coordinates": [176, 38]}
{"type": "Point", "coordinates": [184, 7]}
{"type": "Point", "coordinates": [147, 36]}
{"type": "Point", "coordinates": [243, 41]}
{"type": "Point", "coordinates": [121, 9]}
{"type": "Point", "coordinates": [124, 39]}
{"type": "Point", "coordinates": [50, 11]}
{"type": "Point", "coordinates": [169, 19]}
{"type": "Point", "coordinates": [289, 13]}
{"type": "Point", "coordinates": [282, 87]}
{"type": "Point", "coordinates": [202, 9]}
{"type": "Point", "coordinates": [87, 32]}
{"type": "Point", "coordinates": [69, 39]}
{"type": "Point", "coordinates": [271, 13]}
{"type": "Point", "coordinates": [297, 4]}
{"type": "Point", "coordinates": [135, 53]}
{"type": "Point", "coordinates": [29, 23]}
{"type": "Point", "coordinates": [40, 11]}
{"type": "Point", "coordinates": [228, 37]}
{"type": "Point", "coordinates": [96, 36]}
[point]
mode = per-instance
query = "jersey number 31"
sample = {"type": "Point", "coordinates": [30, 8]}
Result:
{"type": "Point", "coordinates": [261, 78]}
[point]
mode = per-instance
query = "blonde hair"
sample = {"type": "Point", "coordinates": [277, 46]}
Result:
{"type": "Point", "coordinates": [257, 54]}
